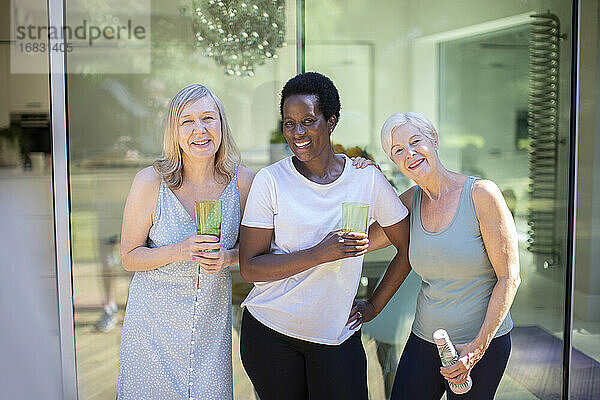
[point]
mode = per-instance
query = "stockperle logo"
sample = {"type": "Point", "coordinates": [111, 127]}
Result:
{"type": "Point", "coordinates": [108, 36]}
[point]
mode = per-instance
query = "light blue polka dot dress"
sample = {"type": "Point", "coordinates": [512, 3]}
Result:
{"type": "Point", "coordinates": [176, 340]}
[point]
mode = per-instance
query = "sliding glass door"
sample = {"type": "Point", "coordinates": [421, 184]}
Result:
{"type": "Point", "coordinates": [471, 67]}
{"type": "Point", "coordinates": [499, 93]}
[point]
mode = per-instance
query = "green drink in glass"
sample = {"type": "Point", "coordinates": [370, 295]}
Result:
{"type": "Point", "coordinates": [208, 218]}
{"type": "Point", "coordinates": [355, 217]}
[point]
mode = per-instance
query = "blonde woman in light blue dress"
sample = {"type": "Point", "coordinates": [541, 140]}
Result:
{"type": "Point", "coordinates": [176, 340]}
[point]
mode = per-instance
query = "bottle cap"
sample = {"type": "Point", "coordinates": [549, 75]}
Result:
{"type": "Point", "coordinates": [441, 337]}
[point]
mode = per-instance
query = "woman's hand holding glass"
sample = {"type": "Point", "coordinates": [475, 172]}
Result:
{"type": "Point", "coordinates": [339, 244]}
{"type": "Point", "coordinates": [206, 250]}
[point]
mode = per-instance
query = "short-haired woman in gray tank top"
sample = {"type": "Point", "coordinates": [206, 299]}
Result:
{"type": "Point", "coordinates": [463, 244]}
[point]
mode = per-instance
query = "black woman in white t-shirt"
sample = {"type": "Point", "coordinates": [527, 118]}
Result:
{"type": "Point", "coordinates": [300, 335]}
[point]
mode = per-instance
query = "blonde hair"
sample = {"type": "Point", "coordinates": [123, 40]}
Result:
{"type": "Point", "coordinates": [170, 165]}
{"type": "Point", "coordinates": [415, 119]}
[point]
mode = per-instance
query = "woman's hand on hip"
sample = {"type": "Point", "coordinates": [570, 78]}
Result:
{"type": "Point", "coordinates": [194, 245]}
{"type": "Point", "coordinates": [362, 311]}
{"type": "Point", "coordinates": [338, 244]}
{"type": "Point", "coordinates": [468, 355]}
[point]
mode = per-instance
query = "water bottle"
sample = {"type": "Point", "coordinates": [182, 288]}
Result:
{"type": "Point", "coordinates": [449, 356]}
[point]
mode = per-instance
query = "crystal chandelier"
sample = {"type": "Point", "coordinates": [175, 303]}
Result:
{"type": "Point", "coordinates": [239, 34]}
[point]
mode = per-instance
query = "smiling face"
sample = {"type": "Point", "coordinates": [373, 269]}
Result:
{"type": "Point", "coordinates": [412, 151]}
{"type": "Point", "coordinates": [305, 129]}
{"type": "Point", "coordinates": [199, 128]}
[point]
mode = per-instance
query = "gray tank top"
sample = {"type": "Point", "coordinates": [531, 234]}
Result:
{"type": "Point", "coordinates": [457, 275]}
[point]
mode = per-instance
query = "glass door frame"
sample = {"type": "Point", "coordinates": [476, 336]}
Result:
{"type": "Point", "coordinates": [572, 194]}
{"type": "Point", "coordinates": [62, 207]}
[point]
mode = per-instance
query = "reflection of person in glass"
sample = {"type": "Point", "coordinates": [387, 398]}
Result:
{"type": "Point", "coordinates": [300, 335]}
{"type": "Point", "coordinates": [108, 261]}
{"type": "Point", "coordinates": [176, 340]}
{"type": "Point", "coordinates": [463, 244]}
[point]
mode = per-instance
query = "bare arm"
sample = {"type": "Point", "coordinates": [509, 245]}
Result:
{"type": "Point", "coordinates": [395, 274]}
{"type": "Point", "coordinates": [399, 267]}
{"type": "Point", "coordinates": [245, 177]}
{"type": "Point", "coordinates": [257, 264]}
{"type": "Point", "coordinates": [377, 237]}
{"type": "Point", "coordinates": [500, 239]}
{"type": "Point", "coordinates": [137, 220]}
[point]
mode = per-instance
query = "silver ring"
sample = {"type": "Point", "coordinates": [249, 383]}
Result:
{"type": "Point", "coordinates": [359, 314]}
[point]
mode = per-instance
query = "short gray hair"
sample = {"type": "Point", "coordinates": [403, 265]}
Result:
{"type": "Point", "coordinates": [415, 119]}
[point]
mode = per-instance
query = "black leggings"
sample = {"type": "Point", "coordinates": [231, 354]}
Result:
{"type": "Point", "coordinates": [418, 375]}
{"type": "Point", "coordinates": [282, 367]}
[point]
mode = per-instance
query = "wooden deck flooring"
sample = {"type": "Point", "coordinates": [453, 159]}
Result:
{"type": "Point", "coordinates": [98, 360]}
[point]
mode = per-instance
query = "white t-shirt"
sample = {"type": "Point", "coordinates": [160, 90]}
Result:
{"type": "Point", "coordinates": [312, 305]}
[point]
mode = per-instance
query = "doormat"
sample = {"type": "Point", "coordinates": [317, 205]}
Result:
{"type": "Point", "coordinates": [536, 363]}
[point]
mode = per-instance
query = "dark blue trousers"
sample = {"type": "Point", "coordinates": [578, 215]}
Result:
{"type": "Point", "coordinates": [418, 375]}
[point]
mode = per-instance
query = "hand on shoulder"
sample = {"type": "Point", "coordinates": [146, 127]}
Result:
{"type": "Point", "coordinates": [361, 162]}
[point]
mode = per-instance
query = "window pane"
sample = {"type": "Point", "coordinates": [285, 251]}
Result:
{"type": "Point", "coordinates": [116, 126]}
{"type": "Point", "coordinates": [585, 357]}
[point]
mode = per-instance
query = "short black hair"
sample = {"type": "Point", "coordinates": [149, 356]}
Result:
{"type": "Point", "coordinates": [316, 84]}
